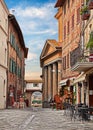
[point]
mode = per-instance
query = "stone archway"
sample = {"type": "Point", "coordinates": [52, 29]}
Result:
{"type": "Point", "coordinates": [36, 99]}
{"type": "Point", "coordinates": [29, 94]}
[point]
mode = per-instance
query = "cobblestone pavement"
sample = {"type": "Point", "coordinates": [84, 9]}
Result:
{"type": "Point", "coordinates": [39, 119]}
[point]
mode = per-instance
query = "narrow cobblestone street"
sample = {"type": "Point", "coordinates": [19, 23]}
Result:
{"type": "Point", "coordinates": [39, 119]}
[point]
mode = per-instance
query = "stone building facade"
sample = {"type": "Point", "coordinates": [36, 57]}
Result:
{"type": "Point", "coordinates": [50, 61]}
{"type": "Point", "coordinates": [32, 86]}
{"type": "Point", "coordinates": [3, 53]}
{"type": "Point", "coordinates": [86, 64]}
{"type": "Point", "coordinates": [71, 31]}
{"type": "Point", "coordinates": [17, 52]}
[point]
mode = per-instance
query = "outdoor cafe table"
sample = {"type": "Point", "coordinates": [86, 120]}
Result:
{"type": "Point", "coordinates": [84, 112]}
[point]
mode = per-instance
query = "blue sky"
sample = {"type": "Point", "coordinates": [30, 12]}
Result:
{"type": "Point", "coordinates": [37, 22]}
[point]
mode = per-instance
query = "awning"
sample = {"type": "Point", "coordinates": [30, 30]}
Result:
{"type": "Point", "coordinates": [64, 82]}
{"type": "Point", "coordinates": [80, 78]}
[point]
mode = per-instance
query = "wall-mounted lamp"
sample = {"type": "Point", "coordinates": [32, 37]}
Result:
{"type": "Point", "coordinates": [53, 71]}
{"type": "Point", "coordinates": [59, 71]}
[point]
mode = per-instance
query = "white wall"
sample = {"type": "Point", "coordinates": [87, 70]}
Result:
{"type": "Point", "coordinates": [31, 86]}
{"type": "Point", "coordinates": [3, 53]}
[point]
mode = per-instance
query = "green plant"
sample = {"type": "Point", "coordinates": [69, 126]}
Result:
{"type": "Point", "coordinates": [84, 9]}
{"type": "Point", "coordinates": [87, 1]}
{"type": "Point", "coordinates": [90, 42]}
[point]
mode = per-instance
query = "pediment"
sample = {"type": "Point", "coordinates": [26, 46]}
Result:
{"type": "Point", "coordinates": [48, 49]}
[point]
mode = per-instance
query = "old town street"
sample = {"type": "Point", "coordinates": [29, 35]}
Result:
{"type": "Point", "coordinates": [39, 119]}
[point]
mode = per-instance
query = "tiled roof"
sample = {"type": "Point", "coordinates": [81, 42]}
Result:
{"type": "Point", "coordinates": [54, 42]}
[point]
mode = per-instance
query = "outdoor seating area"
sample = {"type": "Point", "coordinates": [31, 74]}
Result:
{"type": "Point", "coordinates": [79, 112]}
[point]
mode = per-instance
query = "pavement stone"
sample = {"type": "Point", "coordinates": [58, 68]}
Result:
{"type": "Point", "coordinates": [40, 119]}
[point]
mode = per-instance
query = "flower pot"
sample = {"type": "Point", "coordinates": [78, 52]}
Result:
{"type": "Point", "coordinates": [85, 16]}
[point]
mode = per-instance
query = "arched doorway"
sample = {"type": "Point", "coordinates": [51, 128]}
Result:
{"type": "Point", "coordinates": [36, 99]}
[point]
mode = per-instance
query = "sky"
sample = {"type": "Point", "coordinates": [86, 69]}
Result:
{"type": "Point", "coordinates": [37, 22]}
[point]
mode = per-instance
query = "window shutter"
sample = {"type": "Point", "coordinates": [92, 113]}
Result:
{"type": "Point", "coordinates": [10, 65]}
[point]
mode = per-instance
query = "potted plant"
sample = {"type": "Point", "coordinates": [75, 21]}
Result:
{"type": "Point", "coordinates": [90, 42]}
{"type": "Point", "coordinates": [90, 4]}
{"type": "Point", "coordinates": [84, 12]}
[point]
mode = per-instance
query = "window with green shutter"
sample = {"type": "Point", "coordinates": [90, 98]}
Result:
{"type": "Point", "coordinates": [10, 65]}
{"type": "Point", "coordinates": [14, 67]}
{"type": "Point", "coordinates": [12, 40]}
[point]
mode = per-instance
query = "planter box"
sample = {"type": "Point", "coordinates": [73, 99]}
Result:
{"type": "Point", "coordinates": [85, 16]}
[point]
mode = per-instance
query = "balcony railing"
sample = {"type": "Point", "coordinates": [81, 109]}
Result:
{"type": "Point", "coordinates": [81, 62]}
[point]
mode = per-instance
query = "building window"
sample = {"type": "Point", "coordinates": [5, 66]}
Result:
{"type": "Point", "coordinates": [72, 21]}
{"type": "Point", "coordinates": [12, 66]}
{"type": "Point", "coordinates": [68, 3]}
{"type": "Point", "coordinates": [68, 60]}
{"type": "Point", "coordinates": [68, 27]}
{"type": "Point", "coordinates": [35, 85]}
{"type": "Point", "coordinates": [78, 15]}
{"type": "Point", "coordinates": [64, 8]}
{"type": "Point", "coordinates": [64, 62]}
{"type": "Point", "coordinates": [12, 40]}
{"type": "Point", "coordinates": [64, 31]}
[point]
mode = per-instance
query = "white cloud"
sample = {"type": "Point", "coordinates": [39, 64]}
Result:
{"type": "Point", "coordinates": [31, 56]}
{"type": "Point", "coordinates": [42, 12]}
{"type": "Point", "coordinates": [37, 20]}
{"type": "Point", "coordinates": [38, 24]}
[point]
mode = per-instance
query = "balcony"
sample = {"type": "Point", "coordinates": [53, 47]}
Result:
{"type": "Point", "coordinates": [82, 66]}
{"type": "Point", "coordinates": [80, 62]}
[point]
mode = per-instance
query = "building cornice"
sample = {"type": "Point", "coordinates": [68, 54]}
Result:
{"type": "Point", "coordinates": [59, 3]}
{"type": "Point", "coordinates": [13, 20]}
{"type": "Point", "coordinates": [5, 6]}
{"type": "Point", "coordinates": [59, 13]}
{"type": "Point", "coordinates": [56, 60]}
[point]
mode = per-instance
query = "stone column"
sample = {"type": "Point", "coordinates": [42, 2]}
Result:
{"type": "Point", "coordinates": [82, 94]}
{"type": "Point", "coordinates": [45, 84]}
{"type": "Point", "coordinates": [49, 82]}
{"type": "Point", "coordinates": [55, 79]}
{"type": "Point", "coordinates": [59, 74]}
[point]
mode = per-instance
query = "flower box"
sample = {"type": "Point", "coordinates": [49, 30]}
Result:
{"type": "Point", "coordinates": [85, 16]}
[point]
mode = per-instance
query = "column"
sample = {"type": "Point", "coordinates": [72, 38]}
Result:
{"type": "Point", "coordinates": [49, 82]}
{"type": "Point", "coordinates": [82, 94]}
{"type": "Point", "coordinates": [59, 74]}
{"type": "Point", "coordinates": [55, 79]}
{"type": "Point", "coordinates": [45, 90]}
